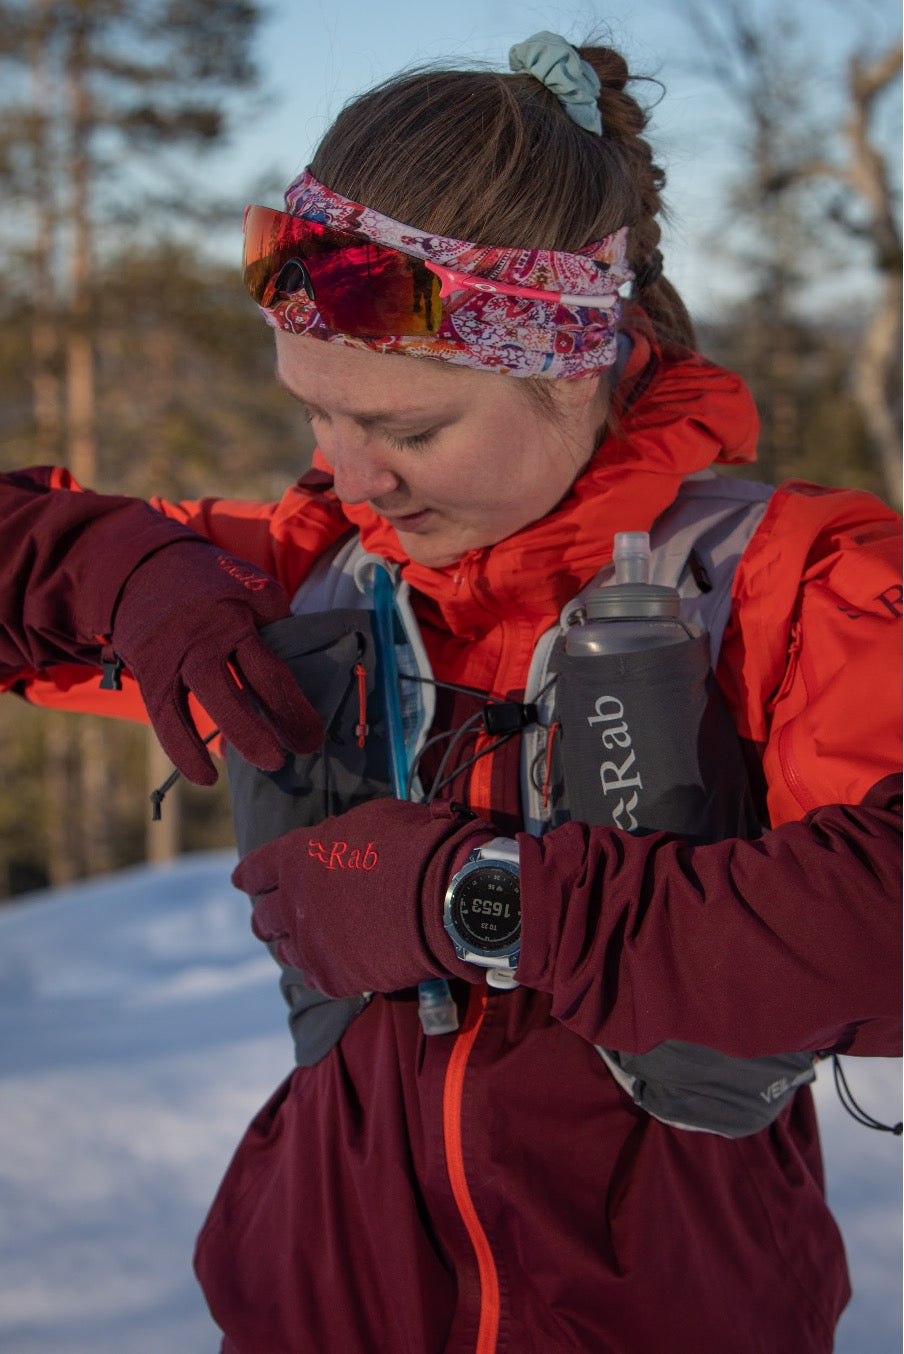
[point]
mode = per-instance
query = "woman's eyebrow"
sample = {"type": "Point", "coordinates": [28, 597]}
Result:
{"type": "Point", "coordinates": [371, 417]}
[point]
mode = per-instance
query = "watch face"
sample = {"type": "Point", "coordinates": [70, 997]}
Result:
{"type": "Point", "coordinates": [486, 909]}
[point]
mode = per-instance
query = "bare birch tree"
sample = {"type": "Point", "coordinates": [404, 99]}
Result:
{"type": "Point", "coordinates": [809, 174]}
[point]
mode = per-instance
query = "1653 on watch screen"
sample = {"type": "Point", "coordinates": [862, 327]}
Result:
{"type": "Point", "coordinates": [486, 909]}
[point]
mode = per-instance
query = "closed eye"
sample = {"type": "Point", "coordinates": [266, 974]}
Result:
{"type": "Point", "coordinates": [412, 440]}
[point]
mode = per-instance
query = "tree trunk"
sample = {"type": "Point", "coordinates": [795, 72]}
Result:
{"type": "Point", "coordinates": [45, 382]}
{"type": "Point", "coordinates": [94, 775]}
{"type": "Point", "coordinates": [877, 365]}
{"type": "Point", "coordinates": [98, 818]}
{"type": "Point", "coordinates": [63, 861]}
{"type": "Point", "coordinates": [64, 853]}
{"type": "Point", "coordinates": [79, 348]}
{"type": "Point", "coordinates": [874, 379]}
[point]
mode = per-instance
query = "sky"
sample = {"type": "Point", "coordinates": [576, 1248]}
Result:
{"type": "Point", "coordinates": [141, 1027]}
{"type": "Point", "coordinates": [315, 55]}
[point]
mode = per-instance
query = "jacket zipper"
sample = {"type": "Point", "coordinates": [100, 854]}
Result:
{"type": "Point", "coordinates": [480, 784]}
{"type": "Point", "coordinates": [488, 1329]}
{"type": "Point", "coordinates": [786, 758]}
{"type": "Point", "coordinates": [519, 644]}
{"type": "Point", "coordinates": [480, 800]}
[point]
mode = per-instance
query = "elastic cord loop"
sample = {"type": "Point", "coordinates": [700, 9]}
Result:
{"type": "Point", "coordinates": [845, 1095]}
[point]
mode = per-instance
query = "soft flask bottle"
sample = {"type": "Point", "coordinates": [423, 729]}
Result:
{"type": "Point", "coordinates": [647, 744]}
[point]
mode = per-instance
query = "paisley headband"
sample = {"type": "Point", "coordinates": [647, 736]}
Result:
{"type": "Point", "coordinates": [489, 331]}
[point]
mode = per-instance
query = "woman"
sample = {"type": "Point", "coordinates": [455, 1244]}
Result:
{"type": "Point", "coordinates": [497, 1187]}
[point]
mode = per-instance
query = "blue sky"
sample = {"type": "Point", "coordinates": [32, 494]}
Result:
{"type": "Point", "coordinates": [315, 54]}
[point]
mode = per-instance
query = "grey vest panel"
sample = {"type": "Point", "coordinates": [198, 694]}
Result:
{"type": "Point", "coordinates": [703, 1091]}
{"type": "Point", "coordinates": [323, 651]}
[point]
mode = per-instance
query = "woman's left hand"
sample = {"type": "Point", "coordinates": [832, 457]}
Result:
{"type": "Point", "coordinates": [356, 902]}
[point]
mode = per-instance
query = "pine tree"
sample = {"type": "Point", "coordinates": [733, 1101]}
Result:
{"type": "Point", "coordinates": [98, 101]}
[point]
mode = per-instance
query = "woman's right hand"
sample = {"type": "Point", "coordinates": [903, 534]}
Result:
{"type": "Point", "coordinates": [187, 621]}
{"type": "Point", "coordinates": [86, 578]}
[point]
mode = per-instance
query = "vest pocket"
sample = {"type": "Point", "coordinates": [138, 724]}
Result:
{"type": "Point", "coordinates": [332, 657]}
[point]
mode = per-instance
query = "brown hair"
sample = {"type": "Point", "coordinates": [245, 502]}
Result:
{"type": "Point", "coordinates": [496, 160]}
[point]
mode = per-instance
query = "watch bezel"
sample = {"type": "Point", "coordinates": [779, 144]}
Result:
{"type": "Point", "coordinates": [482, 859]}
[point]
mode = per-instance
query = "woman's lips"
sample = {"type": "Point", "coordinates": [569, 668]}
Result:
{"type": "Point", "coordinates": [412, 521]}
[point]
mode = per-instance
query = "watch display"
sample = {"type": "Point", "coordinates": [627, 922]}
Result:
{"type": "Point", "coordinates": [482, 911]}
{"type": "Point", "coordinates": [486, 909]}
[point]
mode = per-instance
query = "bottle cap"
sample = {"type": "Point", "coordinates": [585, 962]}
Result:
{"type": "Point", "coordinates": [631, 556]}
{"type": "Point", "coordinates": [632, 601]}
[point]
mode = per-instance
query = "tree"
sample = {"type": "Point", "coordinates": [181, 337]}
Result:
{"type": "Point", "coordinates": [866, 180]}
{"type": "Point", "coordinates": [99, 98]}
{"type": "Point", "coordinates": [185, 399]}
{"type": "Point", "coordinates": [816, 192]}
{"type": "Point", "coordinates": [117, 86]}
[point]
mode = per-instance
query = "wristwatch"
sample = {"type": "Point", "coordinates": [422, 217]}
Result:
{"type": "Point", "coordinates": [482, 910]}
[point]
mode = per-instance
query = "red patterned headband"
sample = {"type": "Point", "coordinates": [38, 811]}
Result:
{"type": "Point", "coordinates": [572, 334]}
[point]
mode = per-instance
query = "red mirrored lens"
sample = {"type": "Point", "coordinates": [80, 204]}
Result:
{"type": "Point", "coordinates": [358, 288]}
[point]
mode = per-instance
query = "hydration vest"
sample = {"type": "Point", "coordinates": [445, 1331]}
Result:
{"type": "Point", "coordinates": [329, 645]}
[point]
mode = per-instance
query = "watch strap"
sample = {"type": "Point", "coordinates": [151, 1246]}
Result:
{"type": "Point", "coordinates": [499, 848]}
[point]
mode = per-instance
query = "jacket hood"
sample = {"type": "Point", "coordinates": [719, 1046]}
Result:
{"type": "Point", "coordinates": [673, 417]}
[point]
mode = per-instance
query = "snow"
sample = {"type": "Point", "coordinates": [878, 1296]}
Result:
{"type": "Point", "coordinates": [140, 1028]}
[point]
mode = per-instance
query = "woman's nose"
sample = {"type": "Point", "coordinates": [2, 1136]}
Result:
{"type": "Point", "coordinates": [361, 471]}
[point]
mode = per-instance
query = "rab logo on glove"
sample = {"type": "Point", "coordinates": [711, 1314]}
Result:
{"type": "Point", "coordinates": [242, 573]}
{"type": "Point", "coordinates": [335, 858]}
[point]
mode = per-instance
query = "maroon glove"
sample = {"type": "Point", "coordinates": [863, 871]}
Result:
{"type": "Point", "coordinates": [187, 620]}
{"type": "Point", "coordinates": [85, 577]}
{"type": "Point", "coordinates": [356, 903]}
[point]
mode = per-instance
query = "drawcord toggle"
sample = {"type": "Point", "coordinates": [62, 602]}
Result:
{"type": "Point", "coordinates": [112, 665]}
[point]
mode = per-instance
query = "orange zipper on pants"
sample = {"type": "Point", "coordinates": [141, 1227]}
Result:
{"type": "Point", "coordinates": [488, 1329]}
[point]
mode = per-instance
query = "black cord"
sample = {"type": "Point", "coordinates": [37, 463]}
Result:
{"type": "Point", "coordinates": [470, 729]}
{"type": "Point", "coordinates": [157, 796]}
{"type": "Point", "coordinates": [451, 686]}
{"type": "Point", "coordinates": [845, 1095]}
{"type": "Point", "coordinates": [429, 743]}
{"type": "Point", "coordinates": [441, 780]}
{"type": "Point", "coordinates": [463, 766]}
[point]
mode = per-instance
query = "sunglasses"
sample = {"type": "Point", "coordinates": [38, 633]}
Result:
{"type": "Point", "coordinates": [363, 289]}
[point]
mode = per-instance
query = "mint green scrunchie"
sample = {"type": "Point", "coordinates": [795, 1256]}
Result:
{"type": "Point", "coordinates": [556, 64]}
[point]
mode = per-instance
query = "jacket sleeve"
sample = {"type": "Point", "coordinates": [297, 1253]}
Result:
{"type": "Point", "coordinates": [284, 538]}
{"type": "Point", "coordinates": [790, 942]}
{"type": "Point", "coordinates": [787, 943]}
{"type": "Point", "coordinates": [43, 511]}
{"type": "Point", "coordinates": [66, 554]}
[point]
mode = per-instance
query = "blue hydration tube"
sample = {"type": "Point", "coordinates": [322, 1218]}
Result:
{"type": "Point", "coordinates": [436, 1008]}
{"type": "Point", "coordinates": [384, 606]}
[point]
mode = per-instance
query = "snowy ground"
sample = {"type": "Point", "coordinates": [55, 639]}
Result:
{"type": "Point", "coordinates": [140, 1028]}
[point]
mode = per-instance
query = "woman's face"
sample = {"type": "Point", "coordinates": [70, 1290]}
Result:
{"type": "Point", "coordinates": [454, 459]}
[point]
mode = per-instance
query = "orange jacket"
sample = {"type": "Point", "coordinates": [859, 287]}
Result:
{"type": "Point", "coordinates": [816, 596]}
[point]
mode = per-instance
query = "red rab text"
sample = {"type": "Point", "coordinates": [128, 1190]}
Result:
{"type": "Point", "coordinates": [339, 856]}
